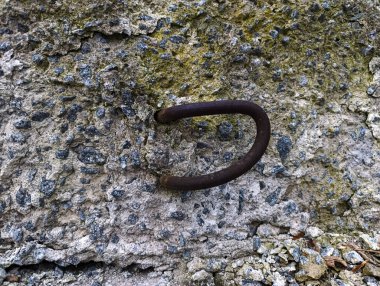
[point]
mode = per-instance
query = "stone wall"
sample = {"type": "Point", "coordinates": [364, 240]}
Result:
{"type": "Point", "coordinates": [81, 154]}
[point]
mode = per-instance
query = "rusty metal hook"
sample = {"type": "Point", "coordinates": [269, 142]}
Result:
{"type": "Point", "coordinates": [239, 167]}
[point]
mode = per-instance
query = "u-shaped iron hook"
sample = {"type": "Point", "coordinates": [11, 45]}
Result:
{"type": "Point", "coordinates": [237, 168]}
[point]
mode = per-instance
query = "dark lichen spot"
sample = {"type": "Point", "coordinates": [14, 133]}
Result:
{"type": "Point", "coordinates": [241, 201]}
{"type": "Point", "coordinates": [38, 59]}
{"type": "Point", "coordinates": [85, 71]}
{"type": "Point", "coordinates": [3, 205]}
{"type": "Point", "coordinates": [23, 198]}
{"type": "Point", "coordinates": [128, 110]}
{"type": "Point", "coordinates": [62, 154]}
{"type": "Point", "coordinates": [133, 218]}
{"type": "Point", "coordinates": [164, 233]}
{"type": "Point", "coordinates": [123, 160]}
{"type": "Point", "coordinates": [284, 145]}
{"type": "Point", "coordinates": [281, 87]}
{"type": "Point", "coordinates": [127, 144]}
{"type": "Point", "coordinates": [256, 243]}
{"type": "Point", "coordinates": [29, 226]}
{"type": "Point", "coordinates": [117, 194]}
{"type": "Point", "coordinates": [96, 231]}
{"type": "Point", "coordinates": [40, 116]}
{"type": "Point", "coordinates": [314, 7]}
{"type": "Point", "coordinates": [69, 79]}
{"type": "Point", "coordinates": [59, 70]}
{"type": "Point", "coordinates": [199, 220]}
{"type": "Point", "coordinates": [221, 224]}
{"type": "Point", "coordinates": [47, 187]}
{"type": "Point", "coordinates": [176, 39]}
{"type": "Point", "coordinates": [91, 130]}
{"type": "Point", "coordinates": [225, 130]}
{"type": "Point", "coordinates": [115, 238]}
{"type": "Point", "coordinates": [89, 155]}
{"type": "Point", "coordinates": [67, 98]}
{"type": "Point", "coordinates": [290, 207]}
{"type": "Point", "coordinates": [100, 112]}
{"type": "Point", "coordinates": [228, 156]}
{"type": "Point", "coordinates": [72, 112]}
{"type": "Point", "coordinates": [18, 138]}
{"type": "Point", "coordinates": [84, 181]}
{"type": "Point", "coordinates": [22, 124]}
{"type": "Point", "coordinates": [273, 197]}
{"type": "Point", "coordinates": [17, 235]}
{"type": "Point", "coordinates": [135, 157]}
{"type": "Point", "coordinates": [172, 249]}
{"type": "Point", "coordinates": [5, 46]}
{"type": "Point", "coordinates": [127, 97]}
{"type": "Point", "coordinates": [274, 34]}
{"type": "Point", "coordinates": [89, 170]}
{"type": "Point", "coordinates": [177, 215]}
{"type": "Point", "coordinates": [85, 48]}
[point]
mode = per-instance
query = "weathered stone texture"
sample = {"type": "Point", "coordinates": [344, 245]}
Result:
{"type": "Point", "coordinates": [81, 154]}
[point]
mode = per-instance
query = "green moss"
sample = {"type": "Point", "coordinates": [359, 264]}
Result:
{"type": "Point", "coordinates": [316, 33]}
{"type": "Point", "coordinates": [329, 196]}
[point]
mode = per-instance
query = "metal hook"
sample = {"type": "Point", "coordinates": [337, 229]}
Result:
{"type": "Point", "coordinates": [237, 168]}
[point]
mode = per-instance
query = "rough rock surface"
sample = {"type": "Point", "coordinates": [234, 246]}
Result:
{"type": "Point", "coordinates": [81, 154]}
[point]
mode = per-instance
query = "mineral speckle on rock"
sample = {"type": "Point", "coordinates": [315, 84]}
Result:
{"type": "Point", "coordinates": [90, 155]}
{"type": "Point", "coordinates": [81, 154]}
